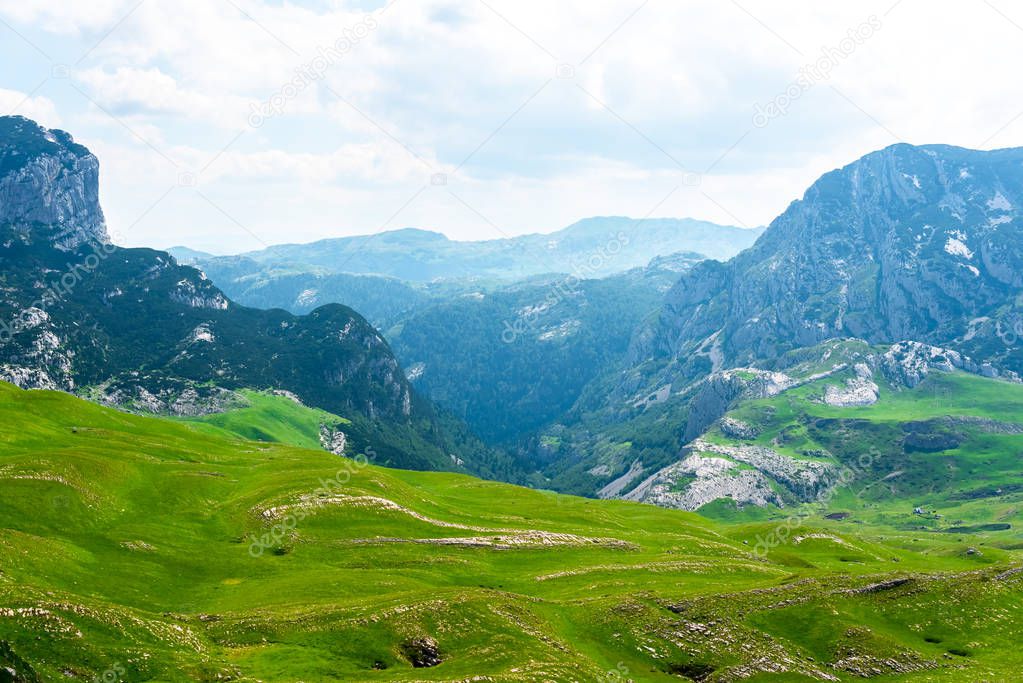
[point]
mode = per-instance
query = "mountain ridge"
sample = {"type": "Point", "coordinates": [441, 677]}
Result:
{"type": "Point", "coordinates": [133, 328]}
{"type": "Point", "coordinates": [594, 247]}
{"type": "Point", "coordinates": [904, 245]}
{"type": "Point", "coordinates": [882, 249]}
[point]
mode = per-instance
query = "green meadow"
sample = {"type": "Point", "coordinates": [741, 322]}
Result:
{"type": "Point", "coordinates": [145, 549]}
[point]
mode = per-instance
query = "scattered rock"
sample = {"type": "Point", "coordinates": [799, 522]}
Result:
{"type": "Point", "coordinates": [422, 652]}
{"type": "Point", "coordinates": [333, 439]}
{"type": "Point", "coordinates": [737, 429]}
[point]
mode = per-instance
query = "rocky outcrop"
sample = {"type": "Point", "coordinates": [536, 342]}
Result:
{"type": "Point", "coordinates": [181, 399]}
{"type": "Point", "coordinates": [745, 474]}
{"type": "Point", "coordinates": [41, 360]}
{"type": "Point", "coordinates": [737, 429]}
{"type": "Point", "coordinates": [333, 439]}
{"type": "Point", "coordinates": [698, 480]}
{"type": "Point", "coordinates": [422, 652]}
{"type": "Point", "coordinates": [199, 294]}
{"type": "Point", "coordinates": [49, 183]}
{"type": "Point", "coordinates": [860, 390]}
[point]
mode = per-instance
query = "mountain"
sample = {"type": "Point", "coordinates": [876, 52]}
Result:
{"type": "Point", "coordinates": [131, 327]}
{"type": "Point", "coordinates": [909, 243]}
{"type": "Point", "coordinates": [142, 549]}
{"type": "Point", "coordinates": [872, 434]}
{"type": "Point", "coordinates": [906, 248]}
{"type": "Point", "coordinates": [591, 248]}
{"type": "Point", "coordinates": [512, 360]}
{"type": "Point", "coordinates": [383, 300]}
{"type": "Point", "coordinates": [48, 186]}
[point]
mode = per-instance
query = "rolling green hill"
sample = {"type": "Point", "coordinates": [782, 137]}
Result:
{"type": "Point", "coordinates": [943, 457]}
{"type": "Point", "coordinates": [145, 549]}
{"type": "Point", "coordinates": [273, 418]}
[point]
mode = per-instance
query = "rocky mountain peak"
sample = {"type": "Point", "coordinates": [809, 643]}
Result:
{"type": "Point", "coordinates": [906, 243]}
{"type": "Point", "coordinates": [49, 185]}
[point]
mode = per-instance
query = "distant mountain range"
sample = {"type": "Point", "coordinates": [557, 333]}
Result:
{"type": "Point", "coordinates": [591, 248]}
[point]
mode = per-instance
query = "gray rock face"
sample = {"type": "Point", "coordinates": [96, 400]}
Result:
{"type": "Point", "coordinates": [333, 439]}
{"type": "Point", "coordinates": [48, 182]}
{"type": "Point", "coordinates": [708, 472]}
{"type": "Point", "coordinates": [919, 243]}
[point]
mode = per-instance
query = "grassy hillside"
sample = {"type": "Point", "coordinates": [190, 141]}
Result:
{"type": "Point", "coordinates": [943, 457]}
{"type": "Point", "coordinates": [273, 418]}
{"type": "Point", "coordinates": [141, 549]}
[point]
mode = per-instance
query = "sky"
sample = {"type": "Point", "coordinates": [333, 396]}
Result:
{"type": "Point", "coordinates": [229, 125]}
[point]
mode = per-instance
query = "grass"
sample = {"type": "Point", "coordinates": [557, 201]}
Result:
{"type": "Point", "coordinates": [970, 478]}
{"type": "Point", "coordinates": [272, 418]}
{"type": "Point", "coordinates": [125, 546]}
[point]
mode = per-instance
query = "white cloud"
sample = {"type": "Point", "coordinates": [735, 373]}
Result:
{"type": "Point", "coordinates": [38, 108]}
{"type": "Point", "coordinates": [453, 78]}
{"type": "Point", "coordinates": [66, 17]}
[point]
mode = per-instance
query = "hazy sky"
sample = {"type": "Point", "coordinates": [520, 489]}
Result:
{"type": "Point", "coordinates": [228, 124]}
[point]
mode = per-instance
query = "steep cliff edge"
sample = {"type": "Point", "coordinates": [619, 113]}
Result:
{"type": "Point", "coordinates": [49, 184]}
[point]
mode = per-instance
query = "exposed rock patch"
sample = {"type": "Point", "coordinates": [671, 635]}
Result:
{"type": "Point", "coordinates": [860, 390]}
{"type": "Point", "coordinates": [333, 439]}
{"type": "Point", "coordinates": [711, 471]}
{"type": "Point", "coordinates": [422, 652]}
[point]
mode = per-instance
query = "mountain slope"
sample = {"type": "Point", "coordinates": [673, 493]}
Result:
{"type": "Point", "coordinates": [909, 243]}
{"type": "Point", "coordinates": [131, 327]}
{"type": "Point", "coordinates": [514, 359]}
{"type": "Point", "coordinates": [141, 549]}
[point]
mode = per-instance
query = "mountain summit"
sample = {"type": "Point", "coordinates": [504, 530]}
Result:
{"type": "Point", "coordinates": [50, 183]}
{"type": "Point", "coordinates": [908, 243]}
